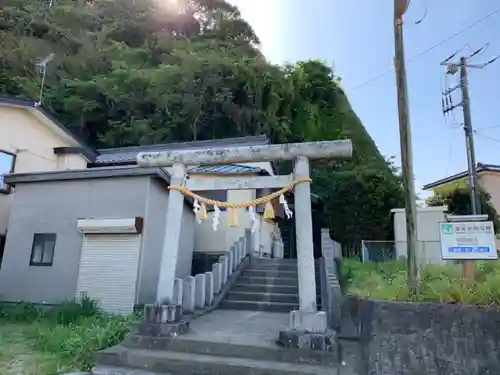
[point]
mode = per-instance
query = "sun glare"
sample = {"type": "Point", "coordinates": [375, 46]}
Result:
{"type": "Point", "coordinates": [171, 4]}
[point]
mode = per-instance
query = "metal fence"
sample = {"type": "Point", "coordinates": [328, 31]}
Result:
{"type": "Point", "coordinates": [383, 251]}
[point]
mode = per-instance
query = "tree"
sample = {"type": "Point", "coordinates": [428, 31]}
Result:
{"type": "Point", "coordinates": [458, 203]}
{"type": "Point", "coordinates": [358, 204]}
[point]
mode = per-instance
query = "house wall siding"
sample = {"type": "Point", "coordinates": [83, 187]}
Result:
{"type": "Point", "coordinates": [490, 182]}
{"type": "Point", "coordinates": [33, 144]}
{"type": "Point", "coordinates": [55, 207]}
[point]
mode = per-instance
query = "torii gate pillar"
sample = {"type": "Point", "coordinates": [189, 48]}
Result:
{"type": "Point", "coordinates": [307, 319]}
{"type": "Point", "coordinates": [304, 233]}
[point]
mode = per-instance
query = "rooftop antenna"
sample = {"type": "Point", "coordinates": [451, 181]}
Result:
{"type": "Point", "coordinates": [42, 65]}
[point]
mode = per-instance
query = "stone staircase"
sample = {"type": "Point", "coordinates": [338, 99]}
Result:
{"type": "Point", "coordinates": [223, 342]}
{"type": "Point", "coordinates": [239, 338]}
{"type": "Point", "coordinates": [266, 285]}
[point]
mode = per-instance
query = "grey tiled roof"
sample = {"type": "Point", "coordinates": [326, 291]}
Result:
{"type": "Point", "coordinates": [229, 168]}
{"type": "Point", "coordinates": [127, 155]}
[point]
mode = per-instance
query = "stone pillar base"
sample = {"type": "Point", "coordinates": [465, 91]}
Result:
{"type": "Point", "coordinates": [311, 322]}
{"type": "Point", "coordinates": [308, 330]}
{"type": "Point", "coordinates": [162, 321]}
{"type": "Point", "coordinates": [293, 339]}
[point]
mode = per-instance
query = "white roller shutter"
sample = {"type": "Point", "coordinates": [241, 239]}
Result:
{"type": "Point", "coordinates": [109, 269]}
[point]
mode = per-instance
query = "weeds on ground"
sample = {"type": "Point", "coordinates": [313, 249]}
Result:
{"type": "Point", "coordinates": [67, 335]}
{"type": "Point", "coordinates": [443, 283]}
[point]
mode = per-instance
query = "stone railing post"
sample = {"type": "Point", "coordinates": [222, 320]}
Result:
{"type": "Point", "coordinates": [217, 271]}
{"type": "Point", "coordinates": [200, 290]}
{"type": "Point", "coordinates": [188, 299]}
{"type": "Point", "coordinates": [225, 270]}
{"type": "Point", "coordinates": [209, 288]}
{"type": "Point", "coordinates": [248, 242]}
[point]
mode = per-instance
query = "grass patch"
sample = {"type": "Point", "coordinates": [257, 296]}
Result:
{"type": "Point", "coordinates": [62, 339]}
{"type": "Point", "coordinates": [443, 283]}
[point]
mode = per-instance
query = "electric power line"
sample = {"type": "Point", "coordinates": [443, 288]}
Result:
{"type": "Point", "coordinates": [489, 127]}
{"type": "Point", "coordinates": [431, 48]}
{"type": "Point", "coordinates": [487, 137]}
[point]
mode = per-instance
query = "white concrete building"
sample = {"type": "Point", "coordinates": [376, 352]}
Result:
{"type": "Point", "coordinates": [428, 245]}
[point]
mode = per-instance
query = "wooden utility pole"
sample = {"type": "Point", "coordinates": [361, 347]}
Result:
{"type": "Point", "coordinates": [468, 265]}
{"type": "Point", "coordinates": [453, 68]}
{"type": "Point", "coordinates": [400, 7]}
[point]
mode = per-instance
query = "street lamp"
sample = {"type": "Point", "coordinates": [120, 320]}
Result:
{"type": "Point", "coordinates": [400, 7]}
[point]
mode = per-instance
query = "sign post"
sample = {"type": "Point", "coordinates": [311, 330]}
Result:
{"type": "Point", "coordinates": [468, 238]}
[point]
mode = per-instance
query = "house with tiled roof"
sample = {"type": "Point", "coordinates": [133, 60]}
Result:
{"type": "Point", "coordinates": [488, 178]}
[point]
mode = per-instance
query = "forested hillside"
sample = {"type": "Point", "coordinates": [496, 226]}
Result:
{"type": "Point", "coordinates": [131, 72]}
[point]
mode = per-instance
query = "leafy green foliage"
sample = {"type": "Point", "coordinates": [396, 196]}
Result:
{"type": "Point", "coordinates": [130, 72]}
{"type": "Point", "coordinates": [68, 334]}
{"type": "Point", "coordinates": [77, 343]}
{"type": "Point", "coordinates": [458, 203]}
{"type": "Point", "coordinates": [358, 204]}
{"type": "Point", "coordinates": [64, 313]}
{"type": "Point", "coordinates": [70, 312]}
{"type": "Point", "coordinates": [442, 283]}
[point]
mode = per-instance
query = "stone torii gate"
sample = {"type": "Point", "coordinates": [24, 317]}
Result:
{"type": "Point", "coordinates": [300, 152]}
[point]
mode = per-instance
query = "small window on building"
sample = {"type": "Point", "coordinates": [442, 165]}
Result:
{"type": "Point", "coordinates": [6, 166]}
{"type": "Point", "coordinates": [42, 251]}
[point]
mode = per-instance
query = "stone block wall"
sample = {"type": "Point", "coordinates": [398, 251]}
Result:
{"type": "Point", "coordinates": [417, 338]}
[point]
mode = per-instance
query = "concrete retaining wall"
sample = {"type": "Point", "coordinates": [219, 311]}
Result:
{"type": "Point", "coordinates": [408, 338]}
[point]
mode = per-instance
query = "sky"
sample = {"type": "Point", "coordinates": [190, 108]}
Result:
{"type": "Point", "coordinates": [356, 39]}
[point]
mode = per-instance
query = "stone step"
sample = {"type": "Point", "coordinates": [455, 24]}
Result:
{"type": "Point", "coordinates": [272, 267]}
{"type": "Point", "coordinates": [269, 273]}
{"type": "Point", "coordinates": [282, 262]}
{"type": "Point", "coordinates": [274, 260]}
{"type": "Point", "coordinates": [112, 362]}
{"type": "Point", "coordinates": [257, 288]}
{"type": "Point", "coordinates": [259, 306]}
{"type": "Point", "coordinates": [231, 349]}
{"type": "Point", "coordinates": [281, 289]}
{"type": "Point", "coordinates": [264, 297]}
{"type": "Point", "coordinates": [268, 280]}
